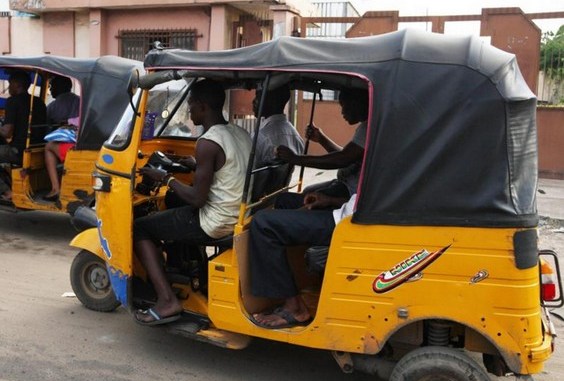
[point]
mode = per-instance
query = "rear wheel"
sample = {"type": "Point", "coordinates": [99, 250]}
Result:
{"type": "Point", "coordinates": [91, 283]}
{"type": "Point", "coordinates": [438, 364]}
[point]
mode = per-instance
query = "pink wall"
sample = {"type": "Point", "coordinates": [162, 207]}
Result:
{"type": "Point", "coordinates": [550, 125]}
{"type": "Point", "coordinates": [64, 4]}
{"type": "Point", "coordinates": [58, 33]}
{"type": "Point", "coordinates": [171, 18]}
{"type": "Point", "coordinates": [5, 33]}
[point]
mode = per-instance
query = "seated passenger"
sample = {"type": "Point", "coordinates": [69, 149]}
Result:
{"type": "Point", "coordinates": [16, 123]}
{"type": "Point", "coordinates": [271, 232]}
{"type": "Point", "coordinates": [354, 107]}
{"type": "Point", "coordinates": [275, 129]}
{"type": "Point", "coordinates": [211, 202]}
{"type": "Point", "coordinates": [66, 105]}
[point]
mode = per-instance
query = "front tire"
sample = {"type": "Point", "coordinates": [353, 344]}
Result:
{"type": "Point", "coordinates": [91, 283]}
{"type": "Point", "coordinates": [437, 364]}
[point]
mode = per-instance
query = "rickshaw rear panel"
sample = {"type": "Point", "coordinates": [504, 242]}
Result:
{"type": "Point", "coordinates": [478, 267]}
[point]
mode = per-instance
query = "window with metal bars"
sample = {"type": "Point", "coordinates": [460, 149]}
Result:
{"type": "Point", "coordinates": [135, 44]}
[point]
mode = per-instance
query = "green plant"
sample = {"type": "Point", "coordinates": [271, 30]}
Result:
{"type": "Point", "coordinates": [552, 54]}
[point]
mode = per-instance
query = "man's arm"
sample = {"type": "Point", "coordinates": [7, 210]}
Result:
{"type": "Point", "coordinates": [210, 158]}
{"type": "Point", "coordinates": [317, 200]}
{"type": "Point", "coordinates": [316, 134]}
{"type": "Point", "coordinates": [7, 130]}
{"type": "Point", "coordinates": [350, 154]}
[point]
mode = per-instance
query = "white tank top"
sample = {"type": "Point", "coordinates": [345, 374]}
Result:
{"type": "Point", "coordinates": [219, 215]}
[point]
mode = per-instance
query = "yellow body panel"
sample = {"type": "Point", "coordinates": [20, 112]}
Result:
{"type": "Point", "coordinates": [76, 180]}
{"type": "Point", "coordinates": [116, 227]}
{"type": "Point", "coordinates": [351, 317]}
{"type": "Point", "coordinates": [88, 240]}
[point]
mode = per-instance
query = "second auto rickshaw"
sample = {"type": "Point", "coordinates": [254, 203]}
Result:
{"type": "Point", "coordinates": [101, 84]}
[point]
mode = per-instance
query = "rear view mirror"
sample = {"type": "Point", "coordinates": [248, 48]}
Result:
{"type": "Point", "coordinates": [133, 83]}
{"type": "Point", "coordinates": [152, 79]}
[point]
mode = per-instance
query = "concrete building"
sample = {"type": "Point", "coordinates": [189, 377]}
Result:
{"type": "Point", "coordinates": [82, 28]}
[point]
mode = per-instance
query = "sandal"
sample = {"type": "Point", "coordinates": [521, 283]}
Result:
{"type": "Point", "coordinates": [285, 315]}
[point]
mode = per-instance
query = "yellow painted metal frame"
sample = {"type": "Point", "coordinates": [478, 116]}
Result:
{"type": "Point", "coordinates": [351, 317]}
{"type": "Point", "coordinates": [76, 180]}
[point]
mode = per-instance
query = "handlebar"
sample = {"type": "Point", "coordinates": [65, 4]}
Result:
{"type": "Point", "coordinates": [164, 164]}
{"type": "Point", "coordinates": [159, 160]}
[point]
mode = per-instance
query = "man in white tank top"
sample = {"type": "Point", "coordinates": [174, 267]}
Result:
{"type": "Point", "coordinates": [211, 202]}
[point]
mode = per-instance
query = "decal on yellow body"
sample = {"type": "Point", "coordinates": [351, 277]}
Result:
{"type": "Point", "coordinates": [404, 270]}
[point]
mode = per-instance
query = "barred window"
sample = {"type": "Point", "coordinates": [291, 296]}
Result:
{"type": "Point", "coordinates": [135, 44]}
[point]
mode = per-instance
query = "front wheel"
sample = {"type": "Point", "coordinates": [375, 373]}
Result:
{"type": "Point", "coordinates": [91, 283]}
{"type": "Point", "coordinates": [438, 364]}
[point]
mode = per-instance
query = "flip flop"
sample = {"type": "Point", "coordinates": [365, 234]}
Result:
{"type": "Point", "coordinates": [157, 319]}
{"type": "Point", "coordinates": [284, 314]}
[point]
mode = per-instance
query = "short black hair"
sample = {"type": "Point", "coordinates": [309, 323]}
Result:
{"type": "Point", "coordinates": [64, 84]}
{"type": "Point", "coordinates": [278, 97]}
{"type": "Point", "coordinates": [21, 77]}
{"type": "Point", "coordinates": [209, 92]}
{"type": "Point", "coordinates": [360, 99]}
{"type": "Point", "coordinates": [274, 102]}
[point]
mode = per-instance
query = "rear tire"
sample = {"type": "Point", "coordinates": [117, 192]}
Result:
{"type": "Point", "coordinates": [438, 364]}
{"type": "Point", "coordinates": [91, 283]}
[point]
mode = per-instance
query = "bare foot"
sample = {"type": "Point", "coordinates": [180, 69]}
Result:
{"type": "Point", "coordinates": [282, 318]}
{"type": "Point", "coordinates": [53, 193]}
{"type": "Point", "coordinates": [293, 312]}
{"type": "Point", "coordinates": [7, 196]}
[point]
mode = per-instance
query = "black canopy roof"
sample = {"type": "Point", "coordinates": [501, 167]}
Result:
{"type": "Point", "coordinates": [103, 84]}
{"type": "Point", "coordinates": [452, 129]}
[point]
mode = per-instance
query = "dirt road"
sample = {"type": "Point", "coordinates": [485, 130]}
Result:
{"type": "Point", "coordinates": [44, 336]}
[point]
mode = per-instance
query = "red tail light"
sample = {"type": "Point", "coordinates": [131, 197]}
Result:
{"type": "Point", "coordinates": [548, 284]}
{"type": "Point", "coordinates": [551, 286]}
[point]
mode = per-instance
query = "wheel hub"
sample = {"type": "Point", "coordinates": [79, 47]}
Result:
{"type": "Point", "coordinates": [99, 278]}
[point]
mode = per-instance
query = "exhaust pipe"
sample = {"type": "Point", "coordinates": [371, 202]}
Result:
{"type": "Point", "coordinates": [84, 218]}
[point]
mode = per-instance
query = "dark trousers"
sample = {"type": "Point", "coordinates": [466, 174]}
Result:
{"type": "Point", "coordinates": [7, 155]}
{"type": "Point", "coordinates": [176, 224]}
{"type": "Point", "coordinates": [271, 231]}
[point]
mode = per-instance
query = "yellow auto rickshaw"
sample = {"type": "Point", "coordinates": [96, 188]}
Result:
{"type": "Point", "coordinates": [438, 261]}
{"type": "Point", "coordinates": [101, 84]}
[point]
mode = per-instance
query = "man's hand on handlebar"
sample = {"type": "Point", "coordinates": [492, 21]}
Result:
{"type": "Point", "coordinates": [154, 174]}
{"type": "Point", "coordinates": [189, 162]}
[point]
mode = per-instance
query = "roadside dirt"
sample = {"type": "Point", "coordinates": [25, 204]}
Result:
{"type": "Point", "coordinates": [551, 236]}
